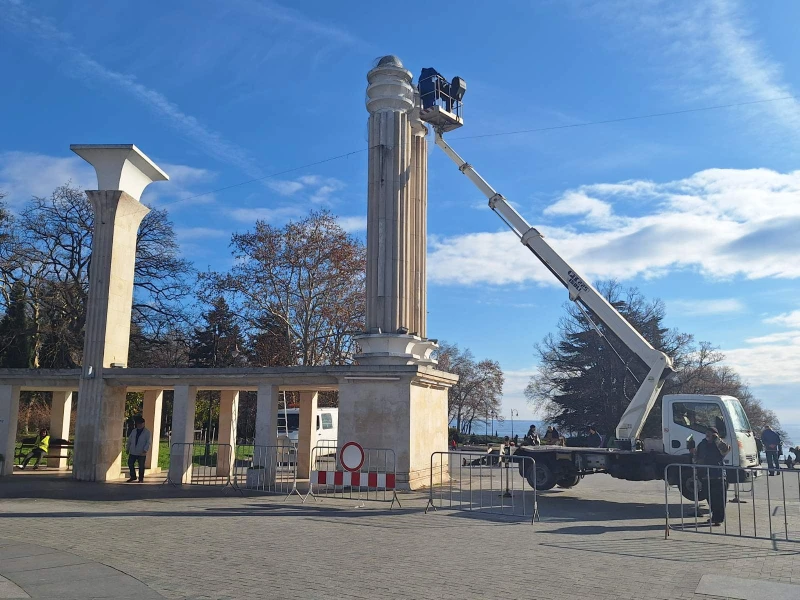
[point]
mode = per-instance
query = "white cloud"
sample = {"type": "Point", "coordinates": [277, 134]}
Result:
{"type": "Point", "coordinates": [353, 224]}
{"type": "Point", "coordinates": [719, 222]}
{"type": "Point", "coordinates": [790, 319]}
{"type": "Point", "coordinates": [770, 359]}
{"type": "Point", "coordinates": [694, 308]}
{"type": "Point", "coordinates": [26, 174]}
{"type": "Point", "coordinates": [284, 188]}
{"type": "Point", "coordinates": [57, 46]}
{"type": "Point", "coordinates": [516, 380]}
{"type": "Point", "coordinates": [706, 51]}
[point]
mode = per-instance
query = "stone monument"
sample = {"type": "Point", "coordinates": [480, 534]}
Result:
{"type": "Point", "coordinates": [404, 405]}
{"type": "Point", "coordinates": [123, 172]}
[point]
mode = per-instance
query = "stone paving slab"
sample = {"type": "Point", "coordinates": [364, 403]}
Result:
{"type": "Point", "coordinates": [602, 540]}
{"type": "Point", "coordinates": [9, 589]}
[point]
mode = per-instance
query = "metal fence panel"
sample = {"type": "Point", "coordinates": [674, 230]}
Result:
{"type": "Point", "coordinates": [376, 479]}
{"type": "Point", "coordinates": [271, 469]}
{"type": "Point", "coordinates": [475, 481]}
{"type": "Point", "coordinates": [200, 463]}
{"type": "Point", "coordinates": [755, 503]}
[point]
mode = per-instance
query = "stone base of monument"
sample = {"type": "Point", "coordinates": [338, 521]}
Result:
{"type": "Point", "coordinates": [402, 408]}
{"type": "Point", "coordinates": [395, 349]}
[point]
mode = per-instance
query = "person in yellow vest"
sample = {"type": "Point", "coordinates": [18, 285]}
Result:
{"type": "Point", "coordinates": [40, 448]}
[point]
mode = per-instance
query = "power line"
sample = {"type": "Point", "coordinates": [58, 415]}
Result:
{"type": "Point", "coordinates": [488, 135]}
{"type": "Point", "coordinates": [621, 119]}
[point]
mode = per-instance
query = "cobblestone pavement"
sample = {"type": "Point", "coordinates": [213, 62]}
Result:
{"type": "Point", "coordinates": [603, 539]}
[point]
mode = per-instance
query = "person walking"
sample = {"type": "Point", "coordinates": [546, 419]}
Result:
{"type": "Point", "coordinates": [40, 447]}
{"type": "Point", "coordinates": [594, 440]}
{"type": "Point", "coordinates": [771, 441]}
{"type": "Point", "coordinates": [139, 441]}
{"type": "Point", "coordinates": [710, 452]}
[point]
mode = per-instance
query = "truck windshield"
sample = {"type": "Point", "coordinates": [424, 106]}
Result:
{"type": "Point", "coordinates": [738, 416]}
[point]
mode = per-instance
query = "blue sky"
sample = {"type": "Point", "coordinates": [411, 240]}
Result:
{"type": "Point", "coordinates": [699, 209]}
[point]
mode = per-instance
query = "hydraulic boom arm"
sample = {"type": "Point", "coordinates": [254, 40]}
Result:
{"type": "Point", "coordinates": [580, 291]}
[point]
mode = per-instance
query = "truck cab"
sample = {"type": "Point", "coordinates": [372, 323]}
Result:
{"type": "Point", "coordinates": [688, 416]}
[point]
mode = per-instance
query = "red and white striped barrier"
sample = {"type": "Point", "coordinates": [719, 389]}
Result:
{"type": "Point", "coordinates": [377, 481]}
{"type": "Point", "coordinates": [369, 472]}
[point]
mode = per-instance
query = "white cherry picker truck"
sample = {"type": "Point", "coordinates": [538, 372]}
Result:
{"type": "Point", "coordinates": [684, 417]}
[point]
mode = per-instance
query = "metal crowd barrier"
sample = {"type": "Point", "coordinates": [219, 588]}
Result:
{"type": "Point", "coordinates": [376, 480]}
{"type": "Point", "coordinates": [475, 481]}
{"type": "Point", "coordinates": [270, 469]}
{"type": "Point", "coordinates": [199, 463]}
{"type": "Point", "coordinates": [755, 504]}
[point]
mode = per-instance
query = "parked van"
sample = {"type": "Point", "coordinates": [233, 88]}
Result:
{"type": "Point", "coordinates": [327, 426]}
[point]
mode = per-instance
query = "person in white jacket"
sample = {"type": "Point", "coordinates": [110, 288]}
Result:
{"type": "Point", "coordinates": [139, 441]}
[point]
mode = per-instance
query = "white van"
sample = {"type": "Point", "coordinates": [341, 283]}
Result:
{"type": "Point", "coordinates": [327, 426]}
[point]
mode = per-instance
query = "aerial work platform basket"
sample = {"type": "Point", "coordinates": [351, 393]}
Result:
{"type": "Point", "coordinates": [441, 100]}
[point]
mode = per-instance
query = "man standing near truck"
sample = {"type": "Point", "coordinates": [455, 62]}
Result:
{"type": "Point", "coordinates": [711, 452]}
{"type": "Point", "coordinates": [771, 441]}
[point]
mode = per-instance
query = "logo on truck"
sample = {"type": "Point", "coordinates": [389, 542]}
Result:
{"type": "Point", "coordinates": [577, 282]}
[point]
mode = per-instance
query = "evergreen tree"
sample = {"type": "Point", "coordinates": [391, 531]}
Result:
{"type": "Point", "coordinates": [590, 379]}
{"type": "Point", "coordinates": [218, 341]}
{"type": "Point", "coordinates": [16, 351]}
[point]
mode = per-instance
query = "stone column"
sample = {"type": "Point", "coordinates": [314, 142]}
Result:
{"type": "Point", "coordinates": [151, 411]}
{"type": "Point", "coordinates": [397, 179]}
{"type": "Point", "coordinates": [9, 411]}
{"type": "Point", "coordinates": [307, 435]}
{"type": "Point", "coordinates": [267, 415]}
{"type": "Point", "coordinates": [419, 217]}
{"type": "Point", "coordinates": [180, 458]}
{"type": "Point", "coordinates": [60, 413]}
{"type": "Point", "coordinates": [122, 174]}
{"type": "Point", "coordinates": [228, 416]}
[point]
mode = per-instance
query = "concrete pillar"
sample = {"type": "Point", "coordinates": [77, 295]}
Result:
{"type": "Point", "coordinates": [228, 416]}
{"type": "Point", "coordinates": [390, 98]}
{"type": "Point", "coordinates": [180, 458]}
{"type": "Point", "coordinates": [266, 428]}
{"type": "Point", "coordinates": [307, 435]}
{"type": "Point", "coordinates": [404, 410]}
{"type": "Point", "coordinates": [151, 411]}
{"type": "Point", "coordinates": [59, 425]}
{"type": "Point", "coordinates": [122, 174]}
{"type": "Point", "coordinates": [396, 206]}
{"type": "Point", "coordinates": [9, 411]}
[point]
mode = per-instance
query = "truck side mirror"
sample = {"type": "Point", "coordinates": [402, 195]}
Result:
{"type": "Point", "coordinates": [676, 443]}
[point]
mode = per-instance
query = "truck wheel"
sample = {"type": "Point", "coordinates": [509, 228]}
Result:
{"type": "Point", "coordinates": [542, 478]}
{"type": "Point", "coordinates": [569, 481]}
{"type": "Point", "coordinates": [688, 485]}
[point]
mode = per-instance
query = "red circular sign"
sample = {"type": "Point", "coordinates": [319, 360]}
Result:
{"type": "Point", "coordinates": [351, 456]}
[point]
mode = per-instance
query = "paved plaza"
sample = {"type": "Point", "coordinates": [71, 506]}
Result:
{"type": "Point", "coordinates": [602, 539]}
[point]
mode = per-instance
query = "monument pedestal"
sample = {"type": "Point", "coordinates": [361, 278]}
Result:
{"type": "Point", "coordinates": [400, 407]}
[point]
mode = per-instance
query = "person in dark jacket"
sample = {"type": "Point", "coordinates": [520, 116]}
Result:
{"type": "Point", "coordinates": [710, 452]}
{"type": "Point", "coordinates": [771, 441]}
{"type": "Point", "coordinates": [594, 440]}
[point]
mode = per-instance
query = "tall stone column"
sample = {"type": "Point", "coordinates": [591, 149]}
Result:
{"type": "Point", "coordinates": [228, 417]}
{"type": "Point", "coordinates": [9, 412]}
{"type": "Point", "coordinates": [183, 409]}
{"type": "Point", "coordinates": [397, 183]}
{"type": "Point", "coordinates": [60, 413]}
{"type": "Point", "coordinates": [122, 174]}
{"type": "Point", "coordinates": [151, 411]}
{"type": "Point", "coordinates": [307, 434]}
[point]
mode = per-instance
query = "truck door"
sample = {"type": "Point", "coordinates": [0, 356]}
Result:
{"type": "Point", "coordinates": [693, 418]}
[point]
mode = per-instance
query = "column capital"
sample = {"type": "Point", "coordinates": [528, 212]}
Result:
{"type": "Point", "coordinates": [120, 167]}
{"type": "Point", "coordinates": [389, 87]}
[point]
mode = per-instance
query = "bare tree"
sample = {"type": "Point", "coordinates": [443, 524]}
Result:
{"type": "Point", "coordinates": [301, 285]}
{"type": "Point", "coordinates": [51, 255]}
{"type": "Point", "coordinates": [479, 391]}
